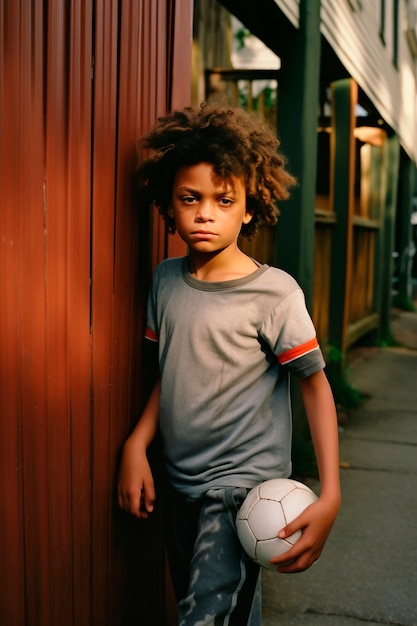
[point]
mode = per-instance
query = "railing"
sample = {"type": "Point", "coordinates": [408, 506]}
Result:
{"type": "Point", "coordinates": [253, 90]}
{"type": "Point", "coordinates": [244, 88]}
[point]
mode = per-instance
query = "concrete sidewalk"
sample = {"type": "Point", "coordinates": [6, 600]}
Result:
{"type": "Point", "coordinates": [368, 570]}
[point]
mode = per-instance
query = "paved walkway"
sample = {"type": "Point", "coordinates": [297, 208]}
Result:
{"type": "Point", "coordinates": [368, 571]}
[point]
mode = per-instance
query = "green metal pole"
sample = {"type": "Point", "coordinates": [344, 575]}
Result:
{"type": "Point", "coordinates": [298, 101]}
{"type": "Point", "coordinates": [298, 105]}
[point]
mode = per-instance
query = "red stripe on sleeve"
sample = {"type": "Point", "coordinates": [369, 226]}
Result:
{"type": "Point", "coordinates": [295, 353]}
{"type": "Point", "coordinates": [151, 335]}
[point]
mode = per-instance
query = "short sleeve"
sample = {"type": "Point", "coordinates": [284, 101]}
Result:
{"type": "Point", "coordinates": [290, 333]}
{"type": "Point", "coordinates": [151, 331]}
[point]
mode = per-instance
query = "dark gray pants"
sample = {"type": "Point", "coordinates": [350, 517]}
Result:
{"type": "Point", "coordinates": [216, 584]}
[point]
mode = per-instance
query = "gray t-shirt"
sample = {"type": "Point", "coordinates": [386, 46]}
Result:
{"type": "Point", "coordinates": [225, 353]}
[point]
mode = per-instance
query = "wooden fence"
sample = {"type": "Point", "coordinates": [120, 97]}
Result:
{"type": "Point", "coordinates": [348, 209]}
{"type": "Point", "coordinates": [79, 82]}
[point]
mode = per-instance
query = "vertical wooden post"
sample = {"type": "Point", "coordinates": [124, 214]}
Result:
{"type": "Point", "coordinates": [376, 211]}
{"type": "Point", "coordinates": [298, 99]}
{"type": "Point", "coordinates": [391, 171]}
{"type": "Point", "coordinates": [405, 195]}
{"type": "Point", "coordinates": [344, 98]}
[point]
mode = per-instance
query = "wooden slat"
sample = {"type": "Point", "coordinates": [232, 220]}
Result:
{"type": "Point", "coordinates": [78, 199]}
{"type": "Point", "coordinates": [377, 197]}
{"type": "Point", "coordinates": [361, 287]}
{"type": "Point", "coordinates": [362, 327]}
{"type": "Point", "coordinates": [11, 494]}
{"type": "Point", "coordinates": [344, 97]}
{"type": "Point", "coordinates": [391, 173]}
{"type": "Point", "coordinates": [369, 295]}
{"type": "Point", "coordinates": [132, 229]}
{"type": "Point", "coordinates": [34, 323]}
{"type": "Point", "coordinates": [58, 486]}
{"type": "Point", "coordinates": [321, 293]}
{"type": "Point", "coordinates": [103, 194]}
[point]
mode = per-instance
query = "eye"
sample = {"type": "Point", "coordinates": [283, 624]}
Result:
{"type": "Point", "coordinates": [188, 199]}
{"type": "Point", "coordinates": [225, 202]}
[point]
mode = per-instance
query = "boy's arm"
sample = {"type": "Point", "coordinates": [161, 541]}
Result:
{"type": "Point", "coordinates": [317, 520]}
{"type": "Point", "coordinates": [136, 491]}
{"type": "Point", "coordinates": [322, 419]}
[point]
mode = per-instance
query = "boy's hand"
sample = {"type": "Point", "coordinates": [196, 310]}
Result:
{"type": "Point", "coordinates": [315, 524]}
{"type": "Point", "coordinates": [136, 491]}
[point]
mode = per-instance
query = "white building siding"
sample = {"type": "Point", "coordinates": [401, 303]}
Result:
{"type": "Point", "coordinates": [352, 28]}
{"type": "Point", "coordinates": [291, 9]}
{"type": "Point", "coordinates": [353, 33]}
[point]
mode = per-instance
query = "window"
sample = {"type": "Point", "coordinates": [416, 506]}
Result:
{"type": "Point", "coordinates": [395, 22]}
{"type": "Point", "coordinates": [412, 26]}
{"type": "Point", "coordinates": [382, 20]}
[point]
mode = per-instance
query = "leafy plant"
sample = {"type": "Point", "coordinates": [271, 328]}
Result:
{"type": "Point", "coordinates": [344, 393]}
{"type": "Point", "coordinates": [241, 35]}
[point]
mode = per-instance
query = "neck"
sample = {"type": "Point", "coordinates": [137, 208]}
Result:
{"type": "Point", "coordinates": [221, 266]}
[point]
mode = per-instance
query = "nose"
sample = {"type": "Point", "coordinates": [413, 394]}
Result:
{"type": "Point", "coordinates": [205, 212]}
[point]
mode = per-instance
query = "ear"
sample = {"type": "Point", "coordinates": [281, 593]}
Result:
{"type": "Point", "coordinates": [247, 217]}
{"type": "Point", "coordinates": [170, 212]}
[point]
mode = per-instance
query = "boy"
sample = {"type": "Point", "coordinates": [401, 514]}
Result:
{"type": "Point", "coordinates": [228, 332]}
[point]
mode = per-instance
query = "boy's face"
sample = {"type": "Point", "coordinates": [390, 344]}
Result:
{"type": "Point", "coordinates": [209, 211]}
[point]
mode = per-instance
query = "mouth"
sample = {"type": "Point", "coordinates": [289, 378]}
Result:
{"type": "Point", "coordinates": [203, 234]}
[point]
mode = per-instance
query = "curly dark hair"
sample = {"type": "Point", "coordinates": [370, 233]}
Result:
{"type": "Point", "coordinates": [234, 142]}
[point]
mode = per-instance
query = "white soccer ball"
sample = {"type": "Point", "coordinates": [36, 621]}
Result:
{"type": "Point", "coordinates": [267, 508]}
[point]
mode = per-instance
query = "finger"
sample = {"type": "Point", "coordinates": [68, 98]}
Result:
{"type": "Point", "coordinates": [296, 526]}
{"type": "Point", "coordinates": [291, 565]}
{"type": "Point", "coordinates": [124, 502]}
{"type": "Point", "coordinates": [130, 502]}
{"type": "Point", "coordinates": [295, 567]}
{"type": "Point", "coordinates": [285, 558]}
{"type": "Point", "coordinates": [148, 496]}
{"type": "Point", "coordinates": [297, 561]}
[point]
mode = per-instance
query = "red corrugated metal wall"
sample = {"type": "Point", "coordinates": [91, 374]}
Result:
{"type": "Point", "coordinates": [80, 81]}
